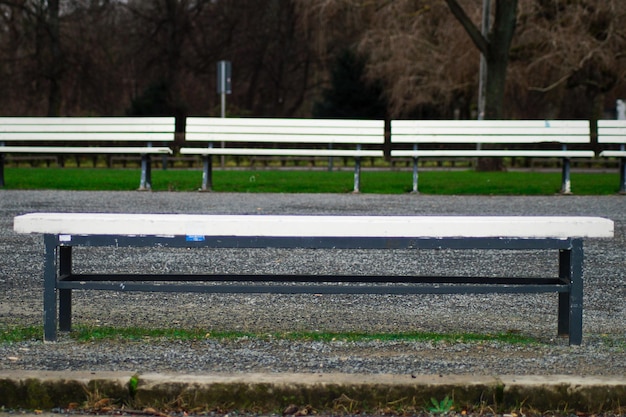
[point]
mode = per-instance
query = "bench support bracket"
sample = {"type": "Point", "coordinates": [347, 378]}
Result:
{"type": "Point", "coordinates": [59, 280]}
{"type": "Point", "coordinates": [571, 303]}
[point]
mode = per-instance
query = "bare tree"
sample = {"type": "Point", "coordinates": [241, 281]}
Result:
{"type": "Point", "coordinates": [568, 57]}
{"type": "Point", "coordinates": [423, 57]}
{"type": "Point", "coordinates": [43, 58]}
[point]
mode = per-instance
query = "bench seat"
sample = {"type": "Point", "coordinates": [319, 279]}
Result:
{"type": "Point", "coordinates": [526, 227]}
{"type": "Point", "coordinates": [282, 138]}
{"type": "Point", "coordinates": [88, 135]}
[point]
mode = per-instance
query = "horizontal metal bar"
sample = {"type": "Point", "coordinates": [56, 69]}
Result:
{"type": "Point", "coordinates": [282, 278]}
{"type": "Point", "coordinates": [314, 289]}
{"type": "Point", "coordinates": [313, 242]}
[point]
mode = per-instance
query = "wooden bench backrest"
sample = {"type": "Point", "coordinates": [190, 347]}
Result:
{"type": "Point", "coordinates": [146, 129]}
{"type": "Point", "coordinates": [271, 130]}
{"type": "Point", "coordinates": [489, 131]}
{"type": "Point", "coordinates": [612, 131]}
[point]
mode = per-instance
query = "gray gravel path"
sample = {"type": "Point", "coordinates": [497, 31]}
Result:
{"type": "Point", "coordinates": [603, 351]}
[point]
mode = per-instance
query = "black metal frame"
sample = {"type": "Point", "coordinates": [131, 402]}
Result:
{"type": "Point", "coordinates": [60, 280]}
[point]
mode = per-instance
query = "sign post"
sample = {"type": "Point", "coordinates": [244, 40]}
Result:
{"type": "Point", "coordinates": [224, 86]}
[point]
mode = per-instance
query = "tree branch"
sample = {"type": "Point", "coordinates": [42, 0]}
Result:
{"type": "Point", "coordinates": [472, 30]}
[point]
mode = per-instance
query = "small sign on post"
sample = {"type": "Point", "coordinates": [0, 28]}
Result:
{"type": "Point", "coordinates": [224, 77]}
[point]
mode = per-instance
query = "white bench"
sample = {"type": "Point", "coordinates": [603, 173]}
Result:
{"type": "Point", "coordinates": [87, 135]}
{"type": "Point", "coordinates": [614, 132]}
{"type": "Point", "coordinates": [461, 138]}
{"type": "Point", "coordinates": [64, 231]}
{"type": "Point", "coordinates": [283, 137]}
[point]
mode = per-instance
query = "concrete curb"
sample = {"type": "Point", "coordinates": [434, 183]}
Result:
{"type": "Point", "coordinates": [338, 393]}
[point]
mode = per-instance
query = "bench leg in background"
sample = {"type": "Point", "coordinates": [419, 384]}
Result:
{"type": "Point", "coordinates": [207, 173]}
{"type": "Point", "coordinates": [622, 176]}
{"type": "Point", "coordinates": [49, 290]}
{"type": "Point", "coordinates": [415, 177]}
{"type": "Point", "coordinates": [357, 175]}
{"type": "Point", "coordinates": [1, 170]}
{"type": "Point", "coordinates": [570, 312]}
{"type": "Point", "coordinates": [145, 184]}
{"type": "Point", "coordinates": [566, 185]}
{"type": "Point", "coordinates": [65, 295]}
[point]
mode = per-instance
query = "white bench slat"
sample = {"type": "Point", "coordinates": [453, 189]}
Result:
{"type": "Point", "coordinates": [492, 153]}
{"type": "Point", "coordinates": [329, 138]}
{"type": "Point", "coordinates": [314, 226]}
{"type": "Point", "coordinates": [267, 122]}
{"type": "Point", "coordinates": [125, 120]}
{"type": "Point", "coordinates": [482, 138]}
{"type": "Point", "coordinates": [526, 123]}
{"type": "Point", "coordinates": [283, 152]}
{"type": "Point", "coordinates": [84, 149]}
{"type": "Point", "coordinates": [75, 136]}
{"type": "Point", "coordinates": [64, 121]}
{"type": "Point", "coordinates": [304, 130]}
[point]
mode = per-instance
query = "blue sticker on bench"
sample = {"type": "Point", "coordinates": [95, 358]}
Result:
{"type": "Point", "coordinates": [194, 238]}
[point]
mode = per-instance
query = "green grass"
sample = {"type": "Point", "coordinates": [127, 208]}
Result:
{"type": "Point", "coordinates": [91, 334]}
{"type": "Point", "coordinates": [308, 181]}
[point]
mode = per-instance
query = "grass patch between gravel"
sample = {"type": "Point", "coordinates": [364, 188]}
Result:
{"type": "Point", "coordinates": [91, 334]}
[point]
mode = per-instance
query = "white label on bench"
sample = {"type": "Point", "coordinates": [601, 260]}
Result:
{"type": "Point", "coordinates": [65, 238]}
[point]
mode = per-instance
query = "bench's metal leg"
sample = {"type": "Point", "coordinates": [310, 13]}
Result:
{"type": "Point", "coordinates": [1, 170]}
{"type": "Point", "coordinates": [622, 176]}
{"type": "Point", "coordinates": [415, 176]}
{"type": "Point", "coordinates": [207, 173]}
{"type": "Point", "coordinates": [145, 183]}
{"type": "Point", "coordinates": [571, 304]}
{"type": "Point", "coordinates": [566, 186]}
{"type": "Point", "coordinates": [357, 175]}
{"type": "Point", "coordinates": [49, 289]}
{"type": "Point", "coordinates": [65, 295]}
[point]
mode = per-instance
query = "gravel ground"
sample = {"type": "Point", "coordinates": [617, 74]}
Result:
{"type": "Point", "coordinates": [604, 336]}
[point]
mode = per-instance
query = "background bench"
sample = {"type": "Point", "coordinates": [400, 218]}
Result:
{"type": "Point", "coordinates": [513, 138]}
{"type": "Point", "coordinates": [614, 132]}
{"type": "Point", "coordinates": [87, 135]}
{"type": "Point", "coordinates": [283, 137]}
{"type": "Point", "coordinates": [64, 231]}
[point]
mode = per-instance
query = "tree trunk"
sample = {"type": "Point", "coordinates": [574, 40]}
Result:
{"type": "Point", "coordinates": [495, 47]}
{"type": "Point", "coordinates": [498, 46]}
